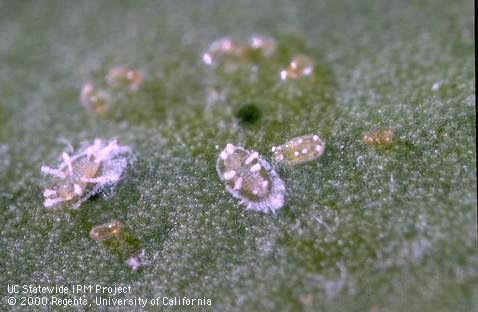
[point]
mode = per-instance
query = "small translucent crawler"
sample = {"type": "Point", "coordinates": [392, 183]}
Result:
{"type": "Point", "coordinates": [300, 66]}
{"type": "Point", "coordinates": [264, 45]}
{"type": "Point", "coordinates": [124, 76]}
{"type": "Point", "coordinates": [79, 176]}
{"type": "Point", "coordinates": [378, 137]}
{"type": "Point", "coordinates": [118, 241]}
{"type": "Point", "coordinates": [106, 231]}
{"type": "Point", "coordinates": [93, 99]}
{"type": "Point", "coordinates": [299, 149]}
{"type": "Point", "coordinates": [251, 179]}
{"type": "Point", "coordinates": [227, 48]}
{"type": "Point", "coordinates": [223, 48]}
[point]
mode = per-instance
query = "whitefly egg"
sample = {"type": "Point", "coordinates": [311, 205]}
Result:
{"type": "Point", "coordinates": [299, 149]}
{"type": "Point", "coordinates": [251, 179]}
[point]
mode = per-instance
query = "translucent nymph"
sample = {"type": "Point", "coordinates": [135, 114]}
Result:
{"type": "Point", "coordinates": [264, 45]}
{"type": "Point", "coordinates": [378, 137]}
{"type": "Point", "coordinates": [95, 100]}
{"type": "Point", "coordinates": [226, 48]}
{"type": "Point", "coordinates": [120, 242]}
{"type": "Point", "coordinates": [124, 76]}
{"type": "Point", "coordinates": [300, 66]}
{"type": "Point", "coordinates": [300, 149]}
{"type": "Point", "coordinates": [221, 49]}
{"type": "Point", "coordinates": [251, 179]}
{"type": "Point", "coordinates": [81, 175]}
{"type": "Point", "coordinates": [106, 231]}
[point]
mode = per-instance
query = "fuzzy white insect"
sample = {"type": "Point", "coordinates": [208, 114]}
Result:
{"type": "Point", "coordinates": [251, 179]}
{"type": "Point", "coordinates": [92, 168]}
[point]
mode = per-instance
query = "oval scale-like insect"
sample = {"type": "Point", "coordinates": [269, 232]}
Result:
{"type": "Point", "coordinates": [94, 100]}
{"type": "Point", "coordinates": [125, 76]}
{"type": "Point", "coordinates": [251, 179]}
{"type": "Point", "coordinates": [300, 149]}
{"type": "Point", "coordinates": [124, 244]}
{"type": "Point", "coordinates": [264, 45]}
{"type": "Point", "coordinates": [223, 48]}
{"type": "Point", "coordinates": [227, 48]}
{"type": "Point", "coordinates": [106, 231]}
{"type": "Point", "coordinates": [299, 66]}
{"type": "Point", "coordinates": [378, 137]}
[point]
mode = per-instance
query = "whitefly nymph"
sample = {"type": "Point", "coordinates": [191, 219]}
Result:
{"type": "Point", "coordinates": [94, 99]}
{"type": "Point", "coordinates": [251, 179]}
{"type": "Point", "coordinates": [300, 149]}
{"type": "Point", "coordinates": [94, 167]}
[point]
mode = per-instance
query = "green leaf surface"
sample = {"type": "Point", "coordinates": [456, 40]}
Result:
{"type": "Point", "coordinates": [362, 229]}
